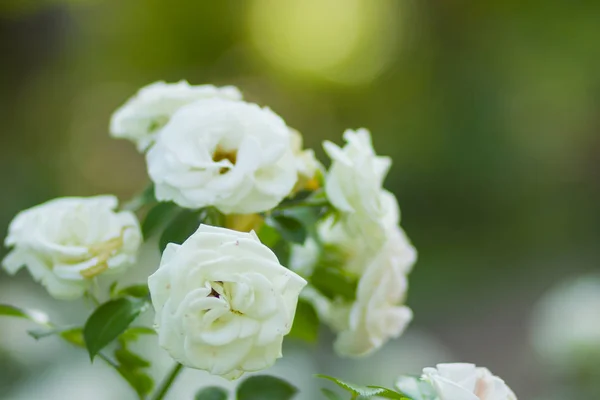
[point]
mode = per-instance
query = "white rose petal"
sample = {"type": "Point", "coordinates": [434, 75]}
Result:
{"type": "Point", "coordinates": [66, 241]}
{"type": "Point", "coordinates": [378, 313]}
{"type": "Point", "coordinates": [140, 118]}
{"type": "Point", "coordinates": [354, 183]}
{"type": "Point", "coordinates": [462, 381]}
{"type": "Point", "coordinates": [232, 155]}
{"type": "Point", "coordinates": [223, 302]}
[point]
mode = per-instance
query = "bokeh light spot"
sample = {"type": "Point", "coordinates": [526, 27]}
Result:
{"type": "Point", "coordinates": [343, 41]}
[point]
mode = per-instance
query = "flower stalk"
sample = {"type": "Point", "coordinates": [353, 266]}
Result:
{"type": "Point", "coordinates": [162, 391]}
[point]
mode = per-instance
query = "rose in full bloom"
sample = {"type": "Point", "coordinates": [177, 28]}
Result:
{"type": "Point", "coordinates": [67, 241]}
{"type": "Point", "coordinates": [378, 313]}
{"type": "Point", "coordinates": [141, 117]}
{"type": "Point", "coordinates": [223, 302]}
{"type": "Point", "coordinates": [462, 381]}
{"type": "Point", "coordinates": [354, 184]}
{"type": "Point", "coordinates": [233, 155]}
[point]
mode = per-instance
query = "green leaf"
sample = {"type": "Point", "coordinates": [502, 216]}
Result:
{"type": "Point", "coordinates": [265, 387]}
{"type": "Point", "coordinates": [130, 360]}
{"type": "Point", "coordinates": [211, 393]}
{"type": "Point", "coordinates": [140, 291]}
{"type": "Point", "coordinates": [212, 216]}
{"type": "Point", "coordinates": [140, 381]}
{"type": "Point", "coordinates": [108, 321]}
{"type": "Point", "coordinates": [268, 235]}
{"type": "Point", "coordinates": [132, 333]}
{"type": "Point", "coordinates": [290, 228]}
{"type": "Point", "coordinates": [73, 335]}
{"type": "Point", "coordinates": [156, 217]}
{"type": "Point", "coordinates": [130, 365]}
{"type": "Point", "coordinates": [180, 228]}
{"type": "Point", "coordinates": [112, 290]}
{"type": "Point", "coordinates": [32, 315]}
{"type": "Point", "coordinates": [330, 394]}
{"type": "Point", "coordinates": [334, 282]}
{"type": "Point", "coordinates": [366, 391]}
{"type": "Point", "coordinates": [306, 323]}
{"type": "Point", "coordinates": [282, 250]}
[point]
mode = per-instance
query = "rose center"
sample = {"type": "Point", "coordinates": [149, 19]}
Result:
{"type": "Point", "coordinates": [219, 290]}
{"type": "Point", "coordinates": [216, 292]}
{"type": "Point", "coordinates": [220, 154]}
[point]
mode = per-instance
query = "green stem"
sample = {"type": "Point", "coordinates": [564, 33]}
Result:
{"type": "Point", "coordinates": [108, 361]}
{"type": "Point", "coordinates": [92, 298]}
{"type": "Point", "coordinates": [167, 382]}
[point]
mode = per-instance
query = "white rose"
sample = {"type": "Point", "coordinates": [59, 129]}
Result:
{"type": "Point", "coordinates": [232, 155]}
{"type": "Point", "coordinates": [354, 183]}
{"type": "Point", "coordinates": [565, 326]}
{"type": "Point", "coordinates": [67, 241]}
{"type": "Point", "coordinates": [304, 257]}
{"type": "Point", "coordinates": [353, 246]}
{"type": "Point", "coordinates": [378, 313]}
{"type": "Point", "coordinates": [223, 302]}
{"type": "Point", "coordinates": [140, 118]}
{"type": "Point", "coordinates": [462, 381]}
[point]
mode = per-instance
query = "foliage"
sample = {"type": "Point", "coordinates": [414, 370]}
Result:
{"type": "Point", "coordinates": [366, 391]}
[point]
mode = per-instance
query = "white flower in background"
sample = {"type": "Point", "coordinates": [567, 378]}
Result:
{"type": "Point", "coordinates": [67, 241]}
{"type": "Point", "coordinates": [304, 257]}
{"type": "Point", "coordinates": [307, 164]}
{"type": "Point", "coordinates": [566, 322]}
{"type": "Point", "coordinates": [232, 155]}
{"type": "Point", "coordinates": [140, 118]}
{"type": "Point", "coordinates": [378, 313]}
{"type": "Point", "coordinates": [462, 381]}
{"type": "Point", "coordinates": [223, 302]}
{"type": "Point", "coordinates": [354, 183]}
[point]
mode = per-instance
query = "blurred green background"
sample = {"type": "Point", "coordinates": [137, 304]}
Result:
{"type": "Point", "coordinates": [490, 110]}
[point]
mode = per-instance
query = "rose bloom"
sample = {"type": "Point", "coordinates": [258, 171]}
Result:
{"type": "Point", "coordinates": [142, 116]}
{"type": "Point", "coordinates": [223, 302]}
{"type": "Point", "coordinates": [462, 381]}
{"type": "Point", "coordinates": [354, 184]}
{"type": "Point", "coordinates": [378, 313]}
{"type": "Point", "coordinates": [233, 155]}
{"type": "Point", "coordinates": [67, 241]}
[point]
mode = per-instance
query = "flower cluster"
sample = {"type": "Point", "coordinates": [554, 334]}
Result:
{"type": "Point", "coordinates": [224, 300]}
{"type": "Point", "coordinates": [251, 224]}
